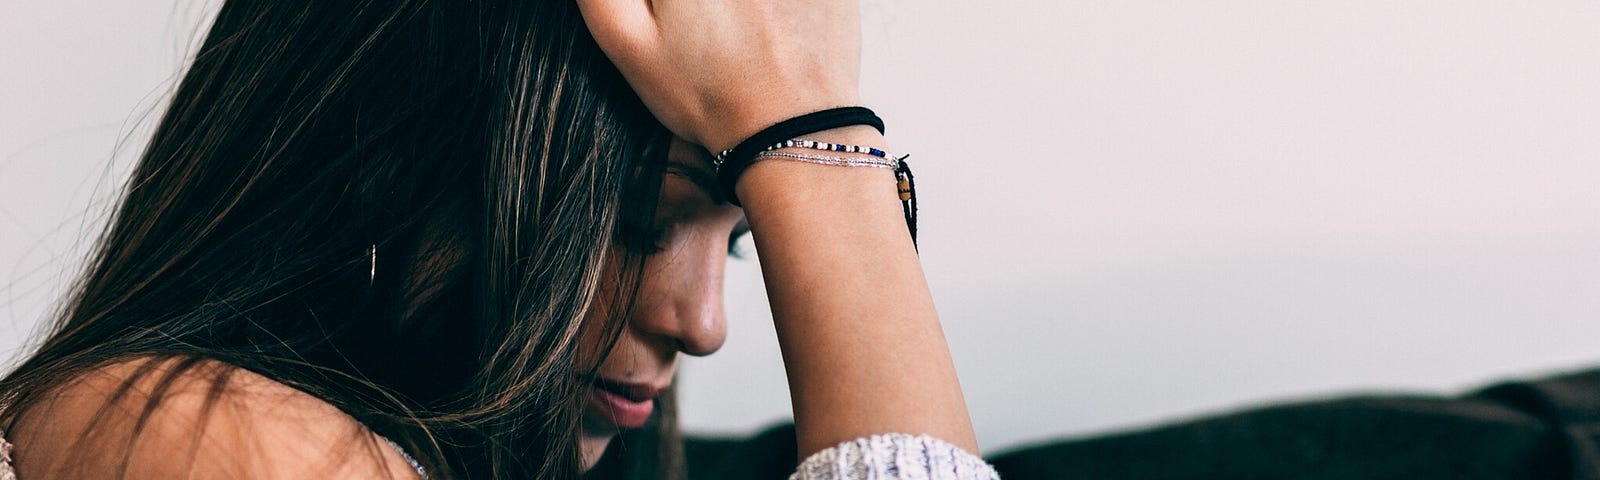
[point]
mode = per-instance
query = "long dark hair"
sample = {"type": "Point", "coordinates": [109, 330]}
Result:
{"type": "Point", "coordinates": [485, 153]}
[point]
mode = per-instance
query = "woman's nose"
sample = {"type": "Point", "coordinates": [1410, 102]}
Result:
{"type": "Point", "coordinates": [680, 298]}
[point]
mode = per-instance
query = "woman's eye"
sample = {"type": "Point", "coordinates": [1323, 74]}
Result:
{"type": "Point", "coordinates": [645, 239]}
{"type": "Point", "coordinates": [656, 239]}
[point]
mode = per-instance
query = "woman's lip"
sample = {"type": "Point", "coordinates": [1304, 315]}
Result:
{"type": "Point", "coordinates": [624, 405]}
{"type": "Point", "coordinates": [636, 392]}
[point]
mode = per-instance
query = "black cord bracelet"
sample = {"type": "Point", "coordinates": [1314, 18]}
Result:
{"type": "Point", "coordinates": [732, 162]}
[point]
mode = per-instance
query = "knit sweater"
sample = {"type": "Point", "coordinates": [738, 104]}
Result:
{"type": "Point", "coordinates": [878, 457]}
{"type": "Point", "coordinates": [1544, 428]}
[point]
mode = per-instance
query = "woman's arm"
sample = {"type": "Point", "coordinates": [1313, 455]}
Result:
{"type": "Point", "coordinates": [861, 341]}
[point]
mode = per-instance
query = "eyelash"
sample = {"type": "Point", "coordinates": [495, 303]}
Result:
{"type": "Point", "coordinates": [657, 235]}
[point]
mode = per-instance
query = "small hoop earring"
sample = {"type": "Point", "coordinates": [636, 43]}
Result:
{"type": "Point", "coordinates": [372, 273]}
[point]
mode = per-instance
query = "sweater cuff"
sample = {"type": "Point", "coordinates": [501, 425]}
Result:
{"type": "Point", "coordinates": [894, 456]}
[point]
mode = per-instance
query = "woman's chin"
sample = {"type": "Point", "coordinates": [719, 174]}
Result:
{"type": "Point", "coordinates": [593, 445]}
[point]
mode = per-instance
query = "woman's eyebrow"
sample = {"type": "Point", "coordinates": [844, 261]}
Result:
{"type": "Point", "coordinates": [701, 177]}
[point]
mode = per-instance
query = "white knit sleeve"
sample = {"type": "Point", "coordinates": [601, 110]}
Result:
{"type": "Point", "coordinates": [6, 473]}
{"type": "Point", "coordinates": [895, 456]}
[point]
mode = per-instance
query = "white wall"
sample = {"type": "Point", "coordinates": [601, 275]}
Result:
{"type": "Point", "coordinates": [1132, 211]}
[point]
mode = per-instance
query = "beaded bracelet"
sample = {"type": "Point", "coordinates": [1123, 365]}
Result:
{"type": "Point", "coordinates": [829, 147]}
{"type": "Point", "coordinates": [731, 163]}
{"type": "Point", "coordinates": [905, 183]}
{"type": "Point", "coordinates": [834, 161]}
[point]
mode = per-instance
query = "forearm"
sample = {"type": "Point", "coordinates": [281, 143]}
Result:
{"type": "Point", "coordinates": [860, 337]}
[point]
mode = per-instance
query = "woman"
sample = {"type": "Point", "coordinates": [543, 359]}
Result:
{"type": "Point", "coordinates": [455, 227]}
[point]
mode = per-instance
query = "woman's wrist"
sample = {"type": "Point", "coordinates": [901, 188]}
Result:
{"type": "Point", "coordinates": [736, 126]}
{"type": "Point", "coordinates": [820, 183]}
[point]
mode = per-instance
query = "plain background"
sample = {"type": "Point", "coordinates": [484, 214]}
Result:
{"type": "Point", "coordinates": [1132, 211]}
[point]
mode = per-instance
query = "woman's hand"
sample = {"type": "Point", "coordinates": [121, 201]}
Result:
{"type": "Point", "coordinates": [717, 71]}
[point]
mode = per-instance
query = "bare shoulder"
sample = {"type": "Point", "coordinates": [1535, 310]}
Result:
{"type": "Point", "coordinates": [207, 420]}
